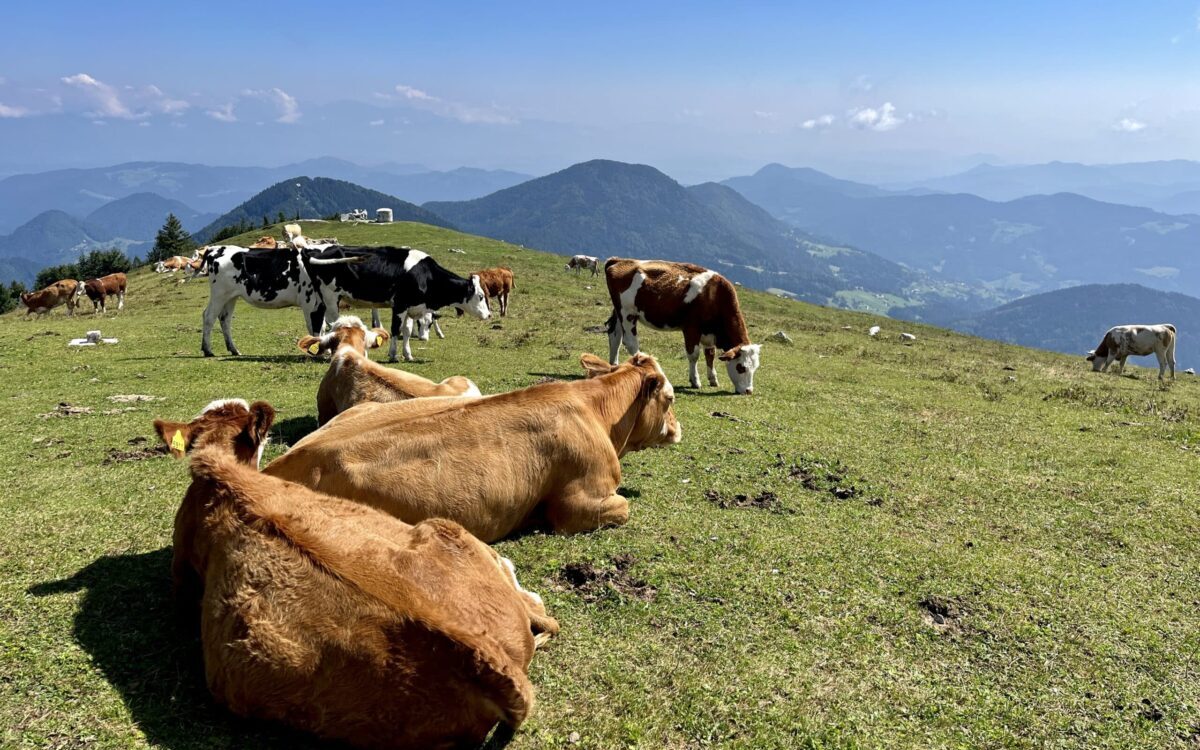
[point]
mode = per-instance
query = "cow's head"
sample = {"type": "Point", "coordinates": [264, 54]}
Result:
{"type": "Point", "coordinates": [476, 302]}
{"type": "Point", "coordinates": [347, 330]}
{"type": "Point", "coordinates": [1099, 356]}
{"type": "Point", "coordinates": [656, 423]}
{"type": "Point", "coordinates": [567, 267]}
{"type": "Point", "coordinates": [26, 296]}
{"type": "Point", "coordinates": [741, 362]}
{"type": "Point", "coordinates": [229, 423]}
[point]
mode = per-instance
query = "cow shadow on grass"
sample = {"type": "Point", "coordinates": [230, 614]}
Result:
{"type": "Point", "coordinates": [293, 429]}
{"type": "Point", "coordinates": [129, 624]}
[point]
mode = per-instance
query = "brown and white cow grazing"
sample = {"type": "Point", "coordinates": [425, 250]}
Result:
{"type": "Point", "coordinates": [498, 283]}
{"type": "Point", "coordinates": [1121, 342]}
{"type": "Point", "coordinates": [548, 454]}
{"type": "Point", "coordinates": [681, 297]}
{"type": "Point", "coordinates": [99, 290]}
{"type": "Point", "coordinates": [65, 291]}
{"type": "Point", "coordinates": [353, 378]}
{"type": "Point", "coordinates": [335, 618]}
{"type": "Point", "coordinates": [583, 261]}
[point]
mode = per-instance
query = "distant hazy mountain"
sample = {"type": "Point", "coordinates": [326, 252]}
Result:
{"type": "Point", "coordinates": [1074, 320]}
{"type": "Point", "coordinates": [1168, 186]}
{"type": "Point", "coordinates": [50, 238]}
{"type": "Point", "coordinates": [607, 208]}
{"type": "Point", "coordinates": [208, 189]}
{"type": "Point", "coordinates": [315, 198]}
{"type": "Point", "coordinates": [1019, 247]}
{"type": "Point", "coordinates": [141, 215]}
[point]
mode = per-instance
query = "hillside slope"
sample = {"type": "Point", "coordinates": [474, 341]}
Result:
{"type": "Point", "coordinates": [141, 215]}
{"type": "Point", "coordinates": [1024, 246]}
{"type": "Point", "coordinates": [315, 198]}
{"type": "Point", "coordinates": [1074, 320]}
{"type": "Point", "coordinates": [607, 208]}
{"type": "Point", "coordinates": [888, 545]}
{"type": "Point", "coordinates": [48, 239]}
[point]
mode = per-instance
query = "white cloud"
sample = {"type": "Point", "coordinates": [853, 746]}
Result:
{"type": "Point", "coordinates": [456, 110]}
{"type": "Point", "coordinates": [222, 113]}
{"type": "Point", "coordinates": [143, 124]}
{"type": "Point", "coordinates": [815, 123]}
{"type": "Point", "coordinates": [162, 103]}
{"type": "Point", "coordinates": [289, 108]}
{"type": "Point", "coordinates": [375, 123]}
{"type": "Point", "coordinates": [13, 112]}
{"type": "Point", "coordinates": [102, 95]}
{"type": "Point", "coordinates": [862, 84]}
{"type": "Point", "coordinates": [879, 120]}
{"type": "Point", "coordinates": [760, 114]}
{"type": "Point", "coordinates": [1128, 125]}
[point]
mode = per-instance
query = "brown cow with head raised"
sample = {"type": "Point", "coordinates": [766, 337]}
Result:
{"type": "Point", "coordinates": [548, 454]}
{"type": "Point", "coordinates": [498, 283]}
{"type": "Point", "coordinates": [352, 378]}
{"type": "Point", "coordinates": [99, 290]}
{"type": "Point", "coordinates": [335, 618]}
{"type": "Point", "coordinates": [66, 291]}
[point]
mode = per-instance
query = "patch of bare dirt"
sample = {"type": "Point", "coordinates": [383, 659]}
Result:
{"type": "Point", "coordinates": [592, 583]}
{"type": "Point", "coordinates": [132, 398]}
{"type": "Point", "coordinates": [823, 475]}
{"type": "Point", "coordinates": [65, 409]}
{"type": "Point", "coordinates": [118, 456]}
{"type": "Point", "coordinates": [941, 612]}
{"type": "Point", "coordinates": [727, 415]}
{"type": "Point", "coordinates": [765, 500]}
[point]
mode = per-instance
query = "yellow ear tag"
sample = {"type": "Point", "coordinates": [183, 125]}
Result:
{"type": "Point", "coordinates": [314, 348]}
{"type": "Point", "coordinates": [177, 441]}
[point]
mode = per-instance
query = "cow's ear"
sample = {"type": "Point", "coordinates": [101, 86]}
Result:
{"type": "Point", "coordinates": [175, 435]}
{"type": "Point", "coordinates": [381, 337]}
{"type": "Point", "coordinates": [652, 385]}
{"type": "Point", "coordinates": [310, 345]}
{"type": "Point", "coordinates": [262, 416]}
{"type": "Point", "coordinates": [731, 354]}
{"type": "Point", "coordinates": [594, 366]}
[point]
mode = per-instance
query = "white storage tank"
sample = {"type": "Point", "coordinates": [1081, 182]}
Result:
{"type": "Point", "coordinates": [383, 215]}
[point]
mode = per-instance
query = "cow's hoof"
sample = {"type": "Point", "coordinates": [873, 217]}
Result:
{"type": "Point", "coordinates": [207, 353]}
{"type": "Point", "coordinates": [713, 382]}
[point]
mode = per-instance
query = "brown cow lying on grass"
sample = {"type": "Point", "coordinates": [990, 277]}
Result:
{"type": "Point", "coordinates": [338, 619]}
{"type": "Point", "coordinates": [548, 453]}
{"type": "Point", "coordinates": [65, 291]}
{"type": "Point", "coordinates": [353, 378]}
{"type": "Point", "coordinates": [498, 283]}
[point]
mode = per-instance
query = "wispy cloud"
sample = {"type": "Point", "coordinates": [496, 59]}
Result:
{"type": "Point", "coordinates": [375, 123]}
{"type": "Point", "coordinates": [862, 84]}
{"type": "Point", "coordinates": [104, 97]}
{"type": "Point", "coordinates": [879, 120]}
{"type": "Point", "coordinates": [818, 123]}
{"type": "Point", "coordinates": [467, 113]}
{"type": "Point", "coordinates": [289, 108]}
{"type": "Point", "coordinates": [160, 102]}
{"type": "Point", "coordinates": [1128, 125]}
{"type": "Point", "coordinates": [762, 115]}
{"type": "Point", "coordinates": [13, 112]}
{"type": "Point", "coordinates": [222, 113]}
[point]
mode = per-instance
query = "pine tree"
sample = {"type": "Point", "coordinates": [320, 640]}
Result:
{"type": "Point", "coordinates": [171, 240]}
{"type": "Point", "coordinates": [281, 217]}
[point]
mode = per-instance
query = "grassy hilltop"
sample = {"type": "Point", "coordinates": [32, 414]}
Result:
{"type": "Point", "coordinates": [954, 543]}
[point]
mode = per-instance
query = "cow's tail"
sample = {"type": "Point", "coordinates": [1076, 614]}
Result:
{"type": "Point", "coordinates": [337, 261]}
{"type": "Point", "coordinates": [611, 324]}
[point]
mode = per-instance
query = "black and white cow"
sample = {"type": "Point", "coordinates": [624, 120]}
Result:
{"type": "Point", "coordinates": [407, 280]}
{"type": "Point", "coordinates": [264, 278]}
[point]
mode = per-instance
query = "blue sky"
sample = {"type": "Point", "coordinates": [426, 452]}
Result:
{"type": "Point", "coordinates": [702, 90]}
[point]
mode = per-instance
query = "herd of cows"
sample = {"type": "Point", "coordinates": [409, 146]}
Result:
{"type": "Point", "coordinates": [348, 588]}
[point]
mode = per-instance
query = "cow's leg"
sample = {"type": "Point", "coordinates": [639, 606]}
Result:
{"type": "Point", "coordinates": [614, 336]}
{"type": "Point", "coordinates": [504, 304]}
{"type": "Point", "coordinates": [1161, 356]}
{"type": "Point", "coordinates": [1121, 365]}
{"type": "Point", "coordinates": [398, 322]}
{"type": "Point", "coordinates": [408, 357]}
{"type": "Point", "coordinates": [437, 327]}
{"type": "Point", "coordinates": [630, 334]}
{"type": "Point", "coordinates": [211, 313]}
{"type": "Point", "coordinates": [576, 512]}
{"type": "Point", "coordinates": [710, 355]}
{"type": "Point", "coordinates": [227, 326]}
{"type": "Point", "coordinates": [691, 345]}
{"type": "Point", "coordinates": [121, 300]}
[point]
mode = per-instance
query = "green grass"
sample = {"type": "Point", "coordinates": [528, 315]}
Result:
{"type": "Point", "coordinates": [1048, 516]}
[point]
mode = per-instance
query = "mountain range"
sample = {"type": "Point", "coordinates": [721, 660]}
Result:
{"type": "Point", "coordinates": [315, 198]}
{"type": "Point", "coordinates": [1008, 249]}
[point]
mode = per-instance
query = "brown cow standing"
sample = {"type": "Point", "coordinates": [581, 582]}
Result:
{"type": "Point", "coordinates": [65, 291]}
{"type": "Point", "coordinates": [497, 282]}
{"type": "Point", "coordinates": [336, 618]}
{"type": "Point", "coordinates": [548, 454]}
{"type": "Point", "coordinates": [99, 290]}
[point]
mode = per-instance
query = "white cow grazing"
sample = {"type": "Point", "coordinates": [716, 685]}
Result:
{"type": "Point", "coordinates": [1137, 340]}
{"type": "Point", "coordinates": [583, 261]}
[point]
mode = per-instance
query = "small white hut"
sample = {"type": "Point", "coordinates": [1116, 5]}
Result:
{"type": "Point", "coordinates": [383, 215]}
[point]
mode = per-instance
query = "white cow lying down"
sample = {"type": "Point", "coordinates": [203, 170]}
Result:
{"type": "Point", "coordinates": [1137, 340]}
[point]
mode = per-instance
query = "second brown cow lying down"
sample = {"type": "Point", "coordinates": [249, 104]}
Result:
{"type": "Point", "coordinates": [548, 454]}
{"type": "Point", "coordinates": [353, 378]}
{"type": "Point", "coordinates": [338, 619]}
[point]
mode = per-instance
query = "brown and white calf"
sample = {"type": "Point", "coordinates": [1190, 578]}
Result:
{"type": "Point", "coordinates": [547, 455]}
{"type": "Point", "coordinates": [583, 261]}
{"type": "Point", "coordinates": [99, 290]}
{"type": "Point", "coordinates": [265, 242]}
{"type": "Point", "coordinates": [65, 291]}
{"type": "Point", "coordinates": [353, 378]}
{"type": "Point", "coordinates": [1121, 342]}
{"type": "Point", "coordinates": [335, 618]}
{"type": "Point", "coordinates": [498, 283]}
{"type": "Point", "coordinates": [682, 297]}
